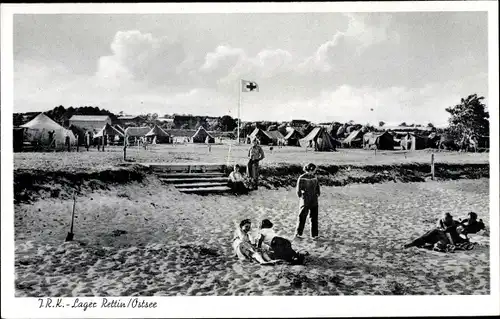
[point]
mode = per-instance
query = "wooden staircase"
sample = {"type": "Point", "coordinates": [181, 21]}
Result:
{"type": "Point", "coordinates": [195, 178]}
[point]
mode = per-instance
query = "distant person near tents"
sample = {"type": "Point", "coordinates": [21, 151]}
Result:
{"type": "Point", "coordinates": [51, 138]}
{"type": "Point", "coordinates": [67, 143]}
{"type": "Point", "coordinates": [207, 141]}
{"type": "Point", "coordinates": [255, 155]}
{"type": "Point", "coordinates": [87, 140]}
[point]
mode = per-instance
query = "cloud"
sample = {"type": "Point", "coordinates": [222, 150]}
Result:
{"type": "Point", "coordinates": [142, 57]}
{"type": "Point", "coordinates": [369, 30]}
{"type": "Point", "coordinates": [223, 58]}
{"type": "Point", "coordinates": [345, 47]}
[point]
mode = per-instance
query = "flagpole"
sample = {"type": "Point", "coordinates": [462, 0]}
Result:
{"type": "Point", "coordinates": [239, 105]}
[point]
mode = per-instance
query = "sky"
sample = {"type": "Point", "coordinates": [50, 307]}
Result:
{"type": "Point", "coordinates": [322, 67]}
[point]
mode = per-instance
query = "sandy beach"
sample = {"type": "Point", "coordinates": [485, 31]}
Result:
{"type": "Point", "coordinates": [148, 239]}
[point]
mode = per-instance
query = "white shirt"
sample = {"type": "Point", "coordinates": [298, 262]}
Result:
{"type": "Point", "coordinates": [267, 234]}
{"type": "Point", "coordinates": [236, 177]}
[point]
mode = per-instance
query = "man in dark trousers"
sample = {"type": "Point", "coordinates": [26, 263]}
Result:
{"type": "Point", "coordinates": [87, 140]}
{"type": "Point", "coordinates": [51, 138]}
{"type": "Point", "coordinates": [308, 192]}
{"type": "Point", "coordinates": [255, 155]}
{"type": "Point", "coordinates": [67, 142]}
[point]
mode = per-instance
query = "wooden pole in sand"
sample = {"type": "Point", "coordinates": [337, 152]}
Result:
{"type": "Point", "coordinates": [125, 148]}
{"type": "Point", "coordinates": [432, 166]}
{"type": "Point", "coordinates": [70, 235]}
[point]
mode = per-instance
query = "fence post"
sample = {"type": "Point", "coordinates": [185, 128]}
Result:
{"type": "Point", "coordinates": [125, 140]}
{"type": "Point", "coordinates": [432, 166]}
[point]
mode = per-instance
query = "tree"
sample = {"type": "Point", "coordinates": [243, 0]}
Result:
{"type": "Point", "coordinates": [227, 123]}
{"type": "Point", "coordinates": [403, 124]}
{"type": "Point", "coordinates": [469, 117]}
{"type": "Point", "coordinates": [245, 129]}
{"type": "Point", "coordinates": [430, 125]}
{"type": "Point", "coordinates": [381, 123]}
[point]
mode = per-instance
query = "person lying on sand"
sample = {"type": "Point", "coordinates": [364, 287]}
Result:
{"type": "Point", "coordinates": [276, 246]}
{"type": "Point", "coordinates": [237, 181]}
{"type": "Point", "coordinates": [242, 245]}
{"type": "Point", "coordinates": [444, 237]}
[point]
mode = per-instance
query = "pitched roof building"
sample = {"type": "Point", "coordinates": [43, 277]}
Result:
{"type": "Point", "coordinates": [90, 122]}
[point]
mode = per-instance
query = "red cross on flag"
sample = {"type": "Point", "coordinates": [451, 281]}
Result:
{"type": "Point", "coordinates": [249, 86]}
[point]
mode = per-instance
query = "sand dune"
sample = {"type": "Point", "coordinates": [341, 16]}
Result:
{"type": "Point", "coordinates": [148, 239]}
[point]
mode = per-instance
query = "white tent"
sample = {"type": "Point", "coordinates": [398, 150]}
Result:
{"type": "Point", "coordinates": [37, 130]}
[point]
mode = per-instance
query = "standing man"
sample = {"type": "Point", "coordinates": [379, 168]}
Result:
{"type": "Point", "coordinates": [51, 138]}
{"type": "Point", "coordinates": [207, 141]}
{"type": "Point", "coordinates": [67, 142]}
{"type": "Point", "coordinates": [255, 155]}
{"type": "Point", "coordinates": [308, 192]}
{"type": "Point", "coordinates": [87, 140]}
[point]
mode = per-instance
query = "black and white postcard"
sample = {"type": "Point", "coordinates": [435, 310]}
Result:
{"type": "Point", "coordinates": [250, 159]}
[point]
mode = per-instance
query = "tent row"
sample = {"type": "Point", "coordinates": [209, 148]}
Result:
{"type": "Point", "coordinates": [292, 138]}
{"type": "Point", "coordinates": [387, 140]}
{"type": "Point", "coordinates": [155, 133]}
{"type": "Point", "coordinates": [318, 138]}
{"type": "Point", "coordinates": [43, 131]}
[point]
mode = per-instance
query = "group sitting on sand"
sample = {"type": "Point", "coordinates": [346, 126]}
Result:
{"type": "Point", "coordinates": [266, 247]}
{"type": "Point", "coordinates": [450, 234]}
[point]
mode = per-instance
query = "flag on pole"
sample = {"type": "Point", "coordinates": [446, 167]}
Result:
{"type": "Point", "coordinates": [249, 86]}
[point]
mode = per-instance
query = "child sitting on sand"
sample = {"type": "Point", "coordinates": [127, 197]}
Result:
{"type": "Point", "coordinates": [242, 245]}
{"type": "Point", "coordinates": [278, 247]}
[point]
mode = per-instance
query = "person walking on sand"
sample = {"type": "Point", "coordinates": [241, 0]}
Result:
{"type": "Point", "coordinates": [308, 191]}
{"type": "Point", "coordinates": [255, 155]}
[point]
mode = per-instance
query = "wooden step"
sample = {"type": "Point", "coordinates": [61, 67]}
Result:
{"type": "Point", "coordinates": [193, 180]}
{"type": "Point", "coordinates": [215, 189]}
{"type": "Point", "coordinates": [199, 185]}
{"type": "Point", "coordinates": [189, 175]}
